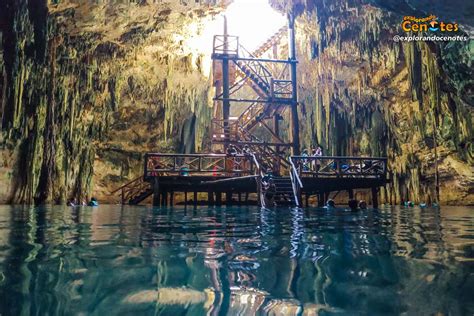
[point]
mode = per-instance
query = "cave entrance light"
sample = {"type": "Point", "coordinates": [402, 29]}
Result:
{"type": "Point", "coordinates": [253, 21]}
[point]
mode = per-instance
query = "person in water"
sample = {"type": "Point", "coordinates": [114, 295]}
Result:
{"type": "Point", "coordinates": [93, 202]}
{"type": "Point", "coordinates": [362, 205]}
{"type": "Point", "coordinates": [353, 205]}
{"type": "Point", "coordinates": [330, 204]}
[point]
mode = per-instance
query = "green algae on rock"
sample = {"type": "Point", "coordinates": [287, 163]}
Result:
{"type": "Point", "coordinates": [89, 86]}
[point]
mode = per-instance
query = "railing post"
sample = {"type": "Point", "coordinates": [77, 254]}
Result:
{"type": "Point", "coordinates": [145, 166]}
{"type": "Point", "coordinates": [214, 44]}
{"type": "Point", "coordinates": [295, 129]}
{"type": "Point", "coordinates": [272, 88]}
{"type": "Point", "coordinates": [156, 192]}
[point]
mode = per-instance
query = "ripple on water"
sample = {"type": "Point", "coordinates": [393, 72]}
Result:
{"type": "Point", "coordinates": [124, 260]}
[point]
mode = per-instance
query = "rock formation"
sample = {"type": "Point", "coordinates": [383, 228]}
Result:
{"type": "Point", "coordinates": [89, 86]}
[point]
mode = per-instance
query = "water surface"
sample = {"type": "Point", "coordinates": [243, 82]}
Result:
{"type": "Point", "coordinates": [114, 260]}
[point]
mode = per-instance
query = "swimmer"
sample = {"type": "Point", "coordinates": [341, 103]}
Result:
{"type": "Point", "coordinates": [362, 205]}
{"type": "Point", "coordinates": [93, 202]}
{"type": "Point", "coordinates": [353, 205]}
{"type": "Point", "coordinates": [330, 204]}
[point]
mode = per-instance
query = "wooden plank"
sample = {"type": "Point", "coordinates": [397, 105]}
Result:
{"type": "Point", "coordinates": [229, 179]}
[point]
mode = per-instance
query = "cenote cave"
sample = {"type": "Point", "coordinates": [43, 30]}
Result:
{"type": "Point", "coordinates": [236, 157]}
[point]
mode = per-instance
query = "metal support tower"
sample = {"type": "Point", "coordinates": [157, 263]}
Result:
{"type": "Point", "coordinates": [265, 88]}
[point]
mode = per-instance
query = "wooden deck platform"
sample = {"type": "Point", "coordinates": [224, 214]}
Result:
{"type": "Point", "coordinates": [232, 179]}
{"type": "Point", "coordinates": [265, 171]}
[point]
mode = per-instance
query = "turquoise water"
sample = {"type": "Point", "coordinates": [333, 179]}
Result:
{"type": "Point", "coordinates": [114, 260]}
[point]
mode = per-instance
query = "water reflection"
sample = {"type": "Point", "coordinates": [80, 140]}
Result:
{"type": "Point", "coordinates": [120, 260]}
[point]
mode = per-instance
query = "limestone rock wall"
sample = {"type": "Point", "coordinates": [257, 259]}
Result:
{"type": "Point", "coordinates": [361, 93]}
{"type": "Point", "coordinates": [88, 86]}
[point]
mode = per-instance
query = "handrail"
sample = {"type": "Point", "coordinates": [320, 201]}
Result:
{"type": "Point", "coordinates": [131, 189]}
{"type": "Point", "coordinates": [257, 165]}
{"type": "Point", "coordinates": [158, 164]}
{"type": "Point", "coordinates": [274, 38]}
{"type": "Point", "coordinates": [340, 157]}
{"type": "Point", "coordinates": [266, 148]}
{"type": "Point", "coordinates": [221, 44]}
{"type": "Point", "coordinates": [250, 61]}
{"type": "Point", "coordinates": [293, 168]}
{"type": "Point", "coordinates": [341, 166]}
{"type": "Point", "coordinates": [293, 186]}
{"type": "Point", "coordinates": [293, 175]}
{"type": "Point", "coordinates": [210, 155]}
{"type": "Point", "coordinates": [127, 184]}
{"type": "Point", "coordinates": [259, 174]}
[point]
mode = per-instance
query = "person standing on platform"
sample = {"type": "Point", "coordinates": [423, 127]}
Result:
{"type": "Point", "coordinates": [230, 159]}
{"type": "Point", "coordinates": [305, 161]}
{"type": "Point", "coordinates": [247, 158]}
{"type": "Point", "coordinates": [316, 163]}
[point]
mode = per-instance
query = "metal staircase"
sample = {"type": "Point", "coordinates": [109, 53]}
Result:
{"type": "Point", "coordinates": [284, 191]}
{"type": "Point", "coordinates": [260, 77]}
{"type": "Point", "coordinates": [272, 90]}
{"type": "Point", "coordinates": [270, 42]}
{"type": "Point", "coordinates": [265, 83]}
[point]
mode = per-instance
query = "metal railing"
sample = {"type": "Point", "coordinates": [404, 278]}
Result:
{"type": "Point", "coordinates": [131, 189]}
{"type": "Point", "coordinates": [225, 130]}
{"type": "Point", "coordinates": [251, 112]}
{"type": "Point", "coordinates": [275, 38]}
{"type": "Point", "coordinates": [343, 167]}
{"type": "Point", "coordinates": [264, 79]}
{"type": "Point", "coordinates": [255, 69]}
{"type": "Point", "coordinates": [234, 134]}
{"type": "Point", "coordinates": [282, 89]}
{"type": "Point", "coordinates": [159, 164]}
{"type": "Point", "coordinates": [296, 183]}
{"type": "Point", "coordinates": [259, 175]}
{"type": "Point", "coordinates": [226, 45]}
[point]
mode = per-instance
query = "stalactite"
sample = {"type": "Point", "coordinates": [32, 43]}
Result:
{"type": "Point", "coordinates": [138, 88]}
{"type": "Point", "coordinates": [413, 62]}
{"type": "Point", "coordinates": [90, 93]}
{"type": "Point", "coordinates": [383, 119]}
